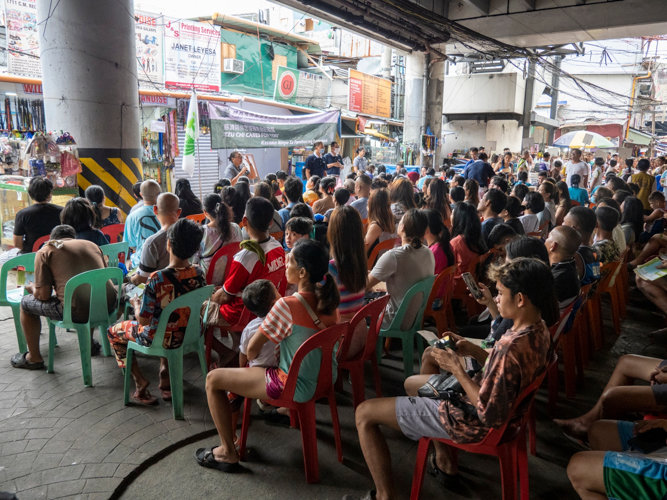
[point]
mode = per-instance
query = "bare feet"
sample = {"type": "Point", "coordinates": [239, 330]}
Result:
{"type": "Point", "coordinates": [573, 428]}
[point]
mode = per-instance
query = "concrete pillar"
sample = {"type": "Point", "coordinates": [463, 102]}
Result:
{"type": "Point", "coordinates": [386, 62]}
{"type": "Point", "coordinates": [528, 100]}
{"type": "Point", "coordinates": [434, 103]}
{"type": "Point", "coordinates": [414, 91]}
{"type": "Point", "coordinates": [89, 69]}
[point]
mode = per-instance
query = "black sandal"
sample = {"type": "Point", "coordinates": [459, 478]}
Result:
{"type": "Point", "coordinates": [449, 481]}
{"type": "Point", "coordinates": [19, 361]}
{"type": "Point", "coordinates": [205, 458]}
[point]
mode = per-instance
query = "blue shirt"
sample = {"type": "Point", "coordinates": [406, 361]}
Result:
{"type": "Point", "coordinates": [479, 171]}
{"type": "Point", "coordinates": [579, 194]}
{"type": "Point", "coordinates": [316, 165]}
{"type": "Point", "coordinates": [420, 184]}
{"type": "Point", "coordinates": [332, 158]}
{"type": "Point", "coordinates": [284, 213]}
{"type": "Point", "coordinates": [139, 226]}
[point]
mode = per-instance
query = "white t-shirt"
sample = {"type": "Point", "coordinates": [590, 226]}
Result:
{"type": "Point", "coordinates": [267, 355]}
{"type": "Point", "coordinates": [531, 223]}
{"type": "Point", "coordinates": [580, 169]}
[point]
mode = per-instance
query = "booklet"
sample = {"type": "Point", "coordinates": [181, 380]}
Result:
{"type": "Point", "coordinates": [429, 336]}
{"type": "Point", "coordinates": [650, 271]}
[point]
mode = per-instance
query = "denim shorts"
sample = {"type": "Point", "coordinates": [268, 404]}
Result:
{"type": "Point", "coordinates": [420, 417]}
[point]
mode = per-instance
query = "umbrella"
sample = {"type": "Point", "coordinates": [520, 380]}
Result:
{"type": "Point", "coordinates": [576, 140]}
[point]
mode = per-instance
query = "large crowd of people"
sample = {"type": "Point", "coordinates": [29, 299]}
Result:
{"type": "Point", "coordinates": [546, 224]}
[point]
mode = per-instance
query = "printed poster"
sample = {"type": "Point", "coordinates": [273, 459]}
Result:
{"type": "Point", "coordinates": [191, 55]}
{"type": "Point", "coordinates": [23, 38]}
{"type": "Point", "coordinates": [149, 30]}
{"type": "Point", "coordinates": [301, 87]}
{"type": "Point", "coordinates": [369, 94]}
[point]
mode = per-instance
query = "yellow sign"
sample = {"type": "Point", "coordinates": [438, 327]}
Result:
{"type": "Point", "coordinates": [369, 94]}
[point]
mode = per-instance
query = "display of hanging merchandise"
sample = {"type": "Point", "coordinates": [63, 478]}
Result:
{"type": "Point", "coordinates": [23, 115]}
{"type": "Point", "coordinates": [428, 144]}
{"type": "Point", "coordinates": [53, 155]}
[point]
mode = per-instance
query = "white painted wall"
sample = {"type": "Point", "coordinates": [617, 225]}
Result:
{"type": "Point", "coordinates": [468, 133]}
{"type": "Point", "coordinates": [483, 93]}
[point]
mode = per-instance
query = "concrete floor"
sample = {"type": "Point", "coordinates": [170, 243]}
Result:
{"type": "Point", "coordinates": [275, 462]}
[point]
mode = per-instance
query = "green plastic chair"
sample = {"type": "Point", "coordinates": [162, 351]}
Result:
{"type": "Point", "coordinates": [113, 251]}
{"type": "Point", "coordinates": [98, 316]}
{"type": "Point", "coordinates": [12, 298]}
{"type": "Point", "coordinates": [408, 334]}
{"type": "Point", "coordinates": [193, 341]}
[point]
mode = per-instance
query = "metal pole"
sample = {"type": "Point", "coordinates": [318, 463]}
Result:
{"type": "Point", "coordinates": [555, 82]}
{"type": "Point", "coordinates": [427, 62]}
{"type": "Point", "coordinates": [528, 100]}
{"type": "Point", "coordinates": [199, 165]}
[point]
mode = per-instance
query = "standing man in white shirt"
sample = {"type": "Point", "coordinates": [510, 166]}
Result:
{"type": "Point", "coordinates": [578, 167]}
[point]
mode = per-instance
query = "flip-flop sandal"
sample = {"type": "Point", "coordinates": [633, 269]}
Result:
{"type": "Point", "coordinates": [95, 347]}
{"type": "Point", "coordinates": [20, 361]}
{"type": "Point", "coordinates": [368, 496]}
{"type": "Point", "coordinates": [205, 458]}
{"type": "Point", "coordinates": [166, 395]}
{"type": "Point", "coordinates": [447, 480]}
{"type": "Point", "coordinates": [148, 400]}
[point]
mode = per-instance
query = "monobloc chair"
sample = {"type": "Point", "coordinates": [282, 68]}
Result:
{"type": "Point", "coordinates": [198, 218]}
{"type": "Point", "coordinates": [98, 316]}
{"type": "Point", "coordinates": [192, 342]}
{"type": "Point", "coordinates": [407, 332]}
{"type": "Point", "coordinates": [511, 450]}
{"type": "Point", "coordinates": [114, 232]}
{"type": "Point", "coordinates": [114, 250]}
{"type": "Point", "coordinates": [228, 251]}
{"type": "Point", "coordinates": [381, 247]}
{"type": "Point", "coordinates": [12, 298]}
{"type": "Point", "coordinates": [373, 313]}
{"type": "Point", "coordinates": [443, 288]}
{"type": "Point", "coordinates": [329, 342]}
{"type": "Point", "coordinates": [40, 242]}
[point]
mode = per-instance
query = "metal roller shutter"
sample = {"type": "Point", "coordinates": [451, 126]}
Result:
{"type": "Point", "coordinates": [210, 165]}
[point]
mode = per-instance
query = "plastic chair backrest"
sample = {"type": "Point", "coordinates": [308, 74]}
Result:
{"type": "Point", "coordinates": [375, 311]}
{"type": "Point", "coordinates": [114, 250]}
{"type": "Point", "coordinates": [557, 328]}
{"type": "Point", "coordinates": [114, 232]}
{"type": "Point", "coordinates": [325, 340]}
{"type": "Point", "coordinates": [494, 436]}
{"type": "Point", "coordinates": [611, 269]}
{"type": "Point", "coordinates": [97, 279]}
{"type": "Point", "coordinates": [40, 242]}
{"type": "Point", "coordinates": [384, 245]}
{"type": "Point", "coordinates": [191, 300]}
{"type": "Point", "coordinates": [443, 287]}
{"type": "Point", "coordinates": [279, 280]}
{"type": "Point", "coordinates": [198, 218]}
{"type": "Point", "coordinates": [229, 250]}
{"type": "Point", "coordinates": [26, 260]}
{"type": "Point", "coordinates": [423, 287]}
{"type": "Point", "coordinates": [278, 235]}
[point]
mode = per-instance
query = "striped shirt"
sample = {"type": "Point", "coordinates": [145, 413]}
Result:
{"type": "Point", "coordinates": [350, 303]}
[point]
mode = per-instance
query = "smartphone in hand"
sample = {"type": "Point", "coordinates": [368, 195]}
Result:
{"type": "Point", "coordinates": [472, 286]}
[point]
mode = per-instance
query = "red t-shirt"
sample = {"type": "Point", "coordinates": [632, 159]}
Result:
{"type": "Point", "coordinates": [246, 268]}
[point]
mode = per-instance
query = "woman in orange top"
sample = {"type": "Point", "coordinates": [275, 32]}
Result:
{"type": "Point", "coordinates": [467, 242]}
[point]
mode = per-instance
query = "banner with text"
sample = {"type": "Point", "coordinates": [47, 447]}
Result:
{"type": "Point", "coordinates": [191, 55]}
{"type": "Point", "coordinates": [369, 94]}
{"type": "Point", "coordinates": [148, 29]}
{"type": "Point", "coordinates": [301, 87]}
{"type": "Point", "coordinates": [22, 37]}
{"type": "Point", "coordinates": [234, 128]}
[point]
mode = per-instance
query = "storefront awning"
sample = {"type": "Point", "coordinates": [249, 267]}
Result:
{"type": "Point", "coordinates": [378, 135]}
{"type": "Point", "coordinates": [347, 130]}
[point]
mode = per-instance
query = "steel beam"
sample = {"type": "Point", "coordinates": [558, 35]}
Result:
{"type": "Point", "coordinates": [481, 6]}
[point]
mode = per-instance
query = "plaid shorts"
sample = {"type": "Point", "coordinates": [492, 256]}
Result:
{"type": "Point", "coordinates": [51, 308]}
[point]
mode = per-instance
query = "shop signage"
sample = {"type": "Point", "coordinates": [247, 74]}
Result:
{"type": "Point", "coordinates": [234, 128]}
{"type": "Point", "coordinates": [31, 88]}
{"type": "Point", "coordinates": [158, 126]}
{"type": "Point", "coordinates": [369, 94]}
{"type": "Point", "coordinates": [157, 100]}
{"type": "Point", "coordinates": [149, 32]}
{"type": "Point", "coordinates": [301, 87]}
{"type": "Point", "coordinates": [22, 37]}
{"type": "Point", "coordinates": [191, 55]}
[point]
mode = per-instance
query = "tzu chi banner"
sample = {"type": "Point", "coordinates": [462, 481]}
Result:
{"type": "Point", "coordinates": [234, 128]}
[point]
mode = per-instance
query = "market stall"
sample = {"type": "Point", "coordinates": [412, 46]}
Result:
{"type": "Point", "coordinates": [159, 139]}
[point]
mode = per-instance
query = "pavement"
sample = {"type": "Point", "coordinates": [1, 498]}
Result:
{"type": "Point", "coordinates": [59, 439]}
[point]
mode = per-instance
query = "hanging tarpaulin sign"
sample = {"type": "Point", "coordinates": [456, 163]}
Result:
{"type": "Point", "coordinates": [234, 128]}
{"type": "Point", "coordinates": [22, 37]}
{"type": "Point", "coordinates": [301, 87]}
{"type": "Point", "coordinates": [148, 29]}
{"type": "Point", "coordinates": [191, 55]}
{"type": "Point", "coordinates": [369, 94]}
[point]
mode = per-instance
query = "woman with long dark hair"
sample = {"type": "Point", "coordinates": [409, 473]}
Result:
{"type": "Point", "coordinates": [437, 199]}
{"type": "Point", "coordinates": [220, 231]}
{"type": "Point", "coordinates": [402, 197]}
{"type": "Point", "coordinates": [231, 197]}
{"type": "Point", "coordinates": [189, 203]}
{"type": "Point", "coordinates": [467, 241]}
{"type": "Point", "coordinates": [632, 219]}
{"type": "Point", "coordinates": [382, 225]}
{"type": "Point", "coordinates": [104, 216]}
{"type": "Point", "coordinates": [348, 267]}
{"type": "Point", "coordinates": [565, 202]}
{"type": "Point", "coordinates": [471, 187]}
{"type": "Point", "coordinates": [437, 238]}
{"type": "Point", "coordinates": [79, 214]}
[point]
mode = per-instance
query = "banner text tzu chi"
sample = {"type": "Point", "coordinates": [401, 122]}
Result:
{"type": "Point", "coordinates": [234, 128]}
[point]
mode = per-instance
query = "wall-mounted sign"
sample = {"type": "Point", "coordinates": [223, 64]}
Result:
{"type": "Point", "coordinates": [22, 37]}
{"type": "Point", "coordinates": [31, 88]}
{"type": "Point", "coordinates": [369, 94]}
{"type": "Point", "coordinates": [158, 100]}
{"type": "Point", "coordinates": [302, 87]}
{"type": "Point", "coordinates": [148, 30]}
{"type": "Point", "coordinates": [158, 126]}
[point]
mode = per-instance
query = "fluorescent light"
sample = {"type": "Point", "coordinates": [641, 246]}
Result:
{"type": "Point", "coordinates": [11, 93]}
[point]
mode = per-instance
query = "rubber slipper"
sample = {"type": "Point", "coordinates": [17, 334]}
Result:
{"type": "Point", "coordinates": [148, 400]}
{"type": "Point", "coordinates": [205, 458]}
{"type": "Point", "coordinates": [95, 347]}
{"type": "Point", "coordinates": [20, 361]}
{"type": "Point", "coordinates": [368, 496]}
{"type": "Point", "coordinates": [166, 395]}
{"type": "Point", "coordinates": [447, 480]}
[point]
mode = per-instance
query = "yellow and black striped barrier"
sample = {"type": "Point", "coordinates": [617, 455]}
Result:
{"type": "Point", "coordinates": [115, 170]}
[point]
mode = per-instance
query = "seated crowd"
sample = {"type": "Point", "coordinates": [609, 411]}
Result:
{"type": "Point", "coordinates": [309, 257]}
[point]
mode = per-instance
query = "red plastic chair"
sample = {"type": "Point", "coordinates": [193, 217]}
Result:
{"type": "Point", "coordinates": [114, 232]}
{"type": "Point", "coordinates": [443, 288]}
{"type": "Point", "coordinates": [380, 247]}
{"type": "Point", "coordinates": [40, 242]}
{"type": "Point", "coordinates": [461, 291]}
{"type": "Point", "coordinates": [228, 251]}
{"type": "Point", "coordinates": [198, 218]}
{"type": "Point", "coordinates": [375, 311]}
{"type": "Point", "coordinates": [511, 450]}
{"type": "Point", "coordinates": [327, 340]}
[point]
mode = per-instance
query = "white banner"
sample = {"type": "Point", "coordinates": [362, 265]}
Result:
{"type": "Point", "coordinates": [192, 55]}
{"type": "Point", "coordinates": [149, 32]}
{"type": "Point", "coordinates": [22, 37]}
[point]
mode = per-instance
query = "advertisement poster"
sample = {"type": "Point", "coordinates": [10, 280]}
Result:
{"type": "Point", "coordinates": [300, 87]}
{"type": "Point", "coordinates": [369, 94]}
{"type": "Point", "coordinates": [22, 37]}
{"type": "Point", "coordinates": [234, 128]}
{"type": "Point", "coordinates": [191, 55]}
{"type": "Point", "coordinates": [148, 30]}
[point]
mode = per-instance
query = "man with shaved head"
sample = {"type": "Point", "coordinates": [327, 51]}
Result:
{"type": "Point", "coordinates": [142, 223]}
{"type": "Point", "coordinates": [562, 245]}
{"type": "Point", "coordinates": [154, 254]}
